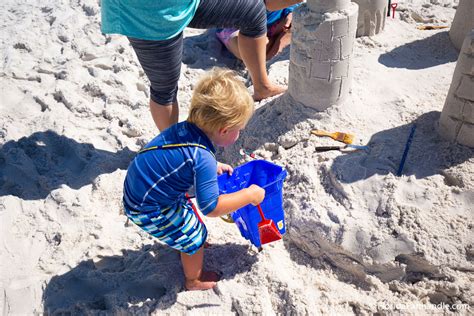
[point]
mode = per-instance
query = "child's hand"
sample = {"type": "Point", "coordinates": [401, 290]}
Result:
{"type": "Point", "coordinates": [223, 167]}
{"type": "Point", "coordinates": [257, 193]}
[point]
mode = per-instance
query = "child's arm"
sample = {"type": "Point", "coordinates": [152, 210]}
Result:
{"type": "Point", "coordinates": [227, 203]}
{"type": "Point", "coordinates": [274, 5]}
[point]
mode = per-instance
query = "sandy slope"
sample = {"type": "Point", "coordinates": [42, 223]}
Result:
{"type": "Point", "coordinates": [74, 111]}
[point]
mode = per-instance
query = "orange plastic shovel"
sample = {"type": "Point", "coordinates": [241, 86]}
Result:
{"type": "Point", "coordinates": [267, 229]}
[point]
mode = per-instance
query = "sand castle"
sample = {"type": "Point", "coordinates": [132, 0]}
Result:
{"type": "Point", "coordinates": [372, 14]}
{"type": "Point", "coordinates": [463, 22]}
{"type": "Point", "coordinates": [457, 119]}
{"type": "Point", "coordinates": [321, 52]}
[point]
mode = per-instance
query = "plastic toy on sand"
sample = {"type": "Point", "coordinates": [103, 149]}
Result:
{"type": "Point", "coordinates": [270, 177]}
{"type": "Point", "coordinates": [394, 8]}
{"type": "Point", "coordinates": [339, 136]}
{"type": "Point", "coordinates": [267, 229]}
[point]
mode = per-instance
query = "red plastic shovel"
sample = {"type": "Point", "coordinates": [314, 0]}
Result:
{"type": "Point", "coordinates": [394, 8]}
{"type": "Point", "coordinates": [194, 208]}
{"type": "Point", "coordinates": [267, 229]}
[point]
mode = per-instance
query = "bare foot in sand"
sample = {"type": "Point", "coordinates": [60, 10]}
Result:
{"type": "Point", "coordinates": [268, 91]}
{"type": "Point", "coordinates": [207, 281]}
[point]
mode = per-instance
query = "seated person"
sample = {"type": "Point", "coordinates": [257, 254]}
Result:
{"type": "Point", "coordinates": [279, 16]}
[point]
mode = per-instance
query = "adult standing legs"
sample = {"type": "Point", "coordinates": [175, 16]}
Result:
{"type": "Point", "coordinates": [161, 61]}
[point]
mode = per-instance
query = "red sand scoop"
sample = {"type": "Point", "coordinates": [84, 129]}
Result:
{"type": "Point", "coordinates": [394, 8]}
{"type": "Point", "coordinates": [267, 229]}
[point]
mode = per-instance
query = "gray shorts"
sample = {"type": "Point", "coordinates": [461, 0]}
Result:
{"type": "Point", "coordinates": [161, 60]}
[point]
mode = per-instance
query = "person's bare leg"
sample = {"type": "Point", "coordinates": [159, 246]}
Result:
{"type": "Point", "coordinates": [253, 52]}
{"type": "Point", "coordinates": [281, 36]}
{"type": "Point", "coordinates": [233, 46]}
{"type": "Point", "coordinates": [281, 41]}
{"type": "Point", "coordinates": [196, 279]}
{"type": "Point", "coordinates": [164, 115]}
{"type": "Point", "coordinates": [271, 49]}
{"type": "Point", "coordinates": [270, 43]}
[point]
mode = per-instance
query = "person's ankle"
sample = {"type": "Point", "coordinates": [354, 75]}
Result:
{"type": "Point", "coordinates": [260, 94]}
{"type": "Point", "coordinates": [263, 86]}
{"type": "Point", "coordinates": [191, 282]}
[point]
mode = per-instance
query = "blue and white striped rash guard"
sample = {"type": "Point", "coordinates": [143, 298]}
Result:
{"type": "Point", "coordinates": [160, 178]}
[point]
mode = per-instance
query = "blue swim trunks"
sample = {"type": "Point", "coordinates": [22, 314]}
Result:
{"type": "Point", "coordinates": [179, 227]}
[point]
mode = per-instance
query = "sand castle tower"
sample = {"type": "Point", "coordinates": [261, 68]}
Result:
{"type": "Point", "coordinates": [372, 14]}
{"type": "Point", "coordinates": [321, 52]}
{"type": "Point", "coordinates": [457, 119]}
{"type": "Point", "coordinates": [463, 22]}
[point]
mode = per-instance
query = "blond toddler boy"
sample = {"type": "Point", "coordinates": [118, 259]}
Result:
{"type": "Point", "coordinates": [182, 156]}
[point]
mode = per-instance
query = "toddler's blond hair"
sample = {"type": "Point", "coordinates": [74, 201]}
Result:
{"type": "Point", "coordinates": [220, 100]}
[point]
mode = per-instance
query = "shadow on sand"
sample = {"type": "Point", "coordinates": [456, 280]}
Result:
{"type": "Point", "coordinates": [33, 166]}
{"type": "Point", "coordinates": [428, 52]}
{"type": "Point", "coordinates": [137, 282]}
{"type": "Point", "coordinates": [428, 155]}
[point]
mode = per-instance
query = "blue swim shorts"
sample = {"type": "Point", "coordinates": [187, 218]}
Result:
{"type": "Point", "coordinates": [178, 226]}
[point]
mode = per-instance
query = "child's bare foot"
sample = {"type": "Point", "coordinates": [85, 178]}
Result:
{"type": "Point", "coordinates": [207, 281]}
{"type": "Point", "coordinates": [268, 91]}
{"type": "Point", "coordinates": [197, 285]}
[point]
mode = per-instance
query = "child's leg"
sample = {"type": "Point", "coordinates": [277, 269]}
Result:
{"type": "Point", "coordinates": [228, 37]}
{"type": "Point", "coordinates": [271, 42]}
{"type": "Point", "coordinates": [182, 230]}
{"type": "Point", "coordinates": [233, 46]}
{"type": "Point", "coordinates": [280, 36]}
{"type": "Point", "coordinates": [196, 279]}
{"type": "Point", "coordinates": [279, 43]}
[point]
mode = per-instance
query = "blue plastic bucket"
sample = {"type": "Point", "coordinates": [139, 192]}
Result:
{"type": "Point", "coordinates": [266, 175]}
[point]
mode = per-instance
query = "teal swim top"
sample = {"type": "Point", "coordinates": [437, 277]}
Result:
{"type": "Point", "coordinates": [147, 19]}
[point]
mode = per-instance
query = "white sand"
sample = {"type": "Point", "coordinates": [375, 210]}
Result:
{"type": "Point", "coordinates": [74, 110]}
